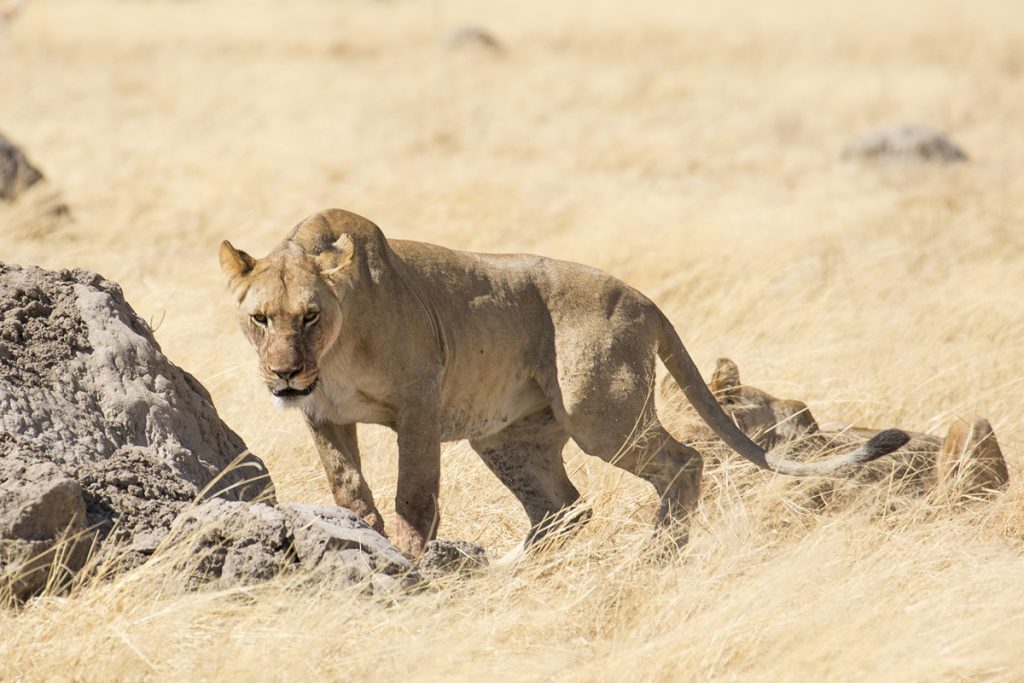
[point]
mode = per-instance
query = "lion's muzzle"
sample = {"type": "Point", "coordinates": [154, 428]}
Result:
{"type": "Point", "coordinates": [291, 391]}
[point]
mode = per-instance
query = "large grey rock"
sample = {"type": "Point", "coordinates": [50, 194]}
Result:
{"type": "Point", "coordinates": [98, 430]}
{"type": "Point", "coordinates": [906, 142]}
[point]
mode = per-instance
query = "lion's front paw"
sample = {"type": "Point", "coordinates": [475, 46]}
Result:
{"type": "Point", "coordinates": [376, 521]}
{"type": "Point", "coordinates": [408, 540]}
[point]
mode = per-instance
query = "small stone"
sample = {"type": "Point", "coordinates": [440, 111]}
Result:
{"type": "Point", "coordinates": [448, 557]}
{"type": "Point", "coordinates": [384, 585]}
{"type": "Point", "coordinates": [472, 38]}
{"type": "Point", "coordinates": [905, 142]}
{"type": "Point", "coordinates": [17, 174]}
{"type": "Point", "coordinates": [320, 531]}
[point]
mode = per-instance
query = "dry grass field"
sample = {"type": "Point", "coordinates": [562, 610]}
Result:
{"type": "Point", "coordinates": [691, 149]}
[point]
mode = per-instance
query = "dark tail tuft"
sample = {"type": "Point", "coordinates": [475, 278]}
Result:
{"type": "Point", "coordinates": [884, 443]}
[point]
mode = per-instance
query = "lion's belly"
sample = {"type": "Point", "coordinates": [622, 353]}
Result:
{"type": "Point", "coordinates": [485, 410]}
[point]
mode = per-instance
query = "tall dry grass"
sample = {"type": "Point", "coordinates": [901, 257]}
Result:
{"type": "Point", "coordinates": [689, 148]}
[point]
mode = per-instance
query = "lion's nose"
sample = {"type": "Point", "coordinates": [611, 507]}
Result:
{"type": "Point", "coordinates": [286, 373]}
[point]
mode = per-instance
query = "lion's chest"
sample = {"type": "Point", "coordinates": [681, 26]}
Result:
{"type": "Point", "coordinates": [345, 403]}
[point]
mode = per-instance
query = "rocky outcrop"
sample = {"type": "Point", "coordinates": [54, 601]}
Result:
{"type": "Point", "coordinates": [905, 142]}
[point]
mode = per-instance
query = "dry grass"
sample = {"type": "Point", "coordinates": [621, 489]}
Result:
{"type": "Point", "coordinates": [687, 147]}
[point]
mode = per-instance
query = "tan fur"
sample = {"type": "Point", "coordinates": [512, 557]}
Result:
{"type": "Point", "coordinates": [516, 353]}
{"type": "Point", "coordinates": [970, 461]}
{"type": "Point", "coordinates": [967, 462]}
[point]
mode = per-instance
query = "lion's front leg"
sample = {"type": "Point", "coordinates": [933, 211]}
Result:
{"type": "Point", "coordinates": [419, 479]}
{"type": "Point", "coordinates": [339, 453]}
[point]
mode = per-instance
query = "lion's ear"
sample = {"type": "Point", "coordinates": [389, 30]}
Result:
{"type": "Point", "coordinates": [336, 257]}
{"type": "Point", "coordinates": [233, 261]}
{"type": "Point", "coordinates": [725, 380]}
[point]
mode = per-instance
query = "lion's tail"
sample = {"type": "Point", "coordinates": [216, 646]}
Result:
{"type": "Point", "coordinates": [683, 370]}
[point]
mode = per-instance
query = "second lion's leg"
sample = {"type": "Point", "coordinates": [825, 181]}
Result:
{"type": "Point", "coordinates": [527, 457]}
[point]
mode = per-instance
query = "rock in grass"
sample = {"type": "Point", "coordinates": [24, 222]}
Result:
{"type": "Point", "coordinates": [42, 514]}
{"type": "Point", "coordinates": [17, 174]}
{"type": "Point", "coordinates": [324, 535]}
{"type": "Point", "coordinates": [17, 177]}
{"type": "Point", "coordinates": [233, 543]}
{"type": "Point", "coordinates": [907, 142]}
{"type": "Point", "coordinates": [449, 557]}
{"type": "Point", "coordinates": [472, 38]}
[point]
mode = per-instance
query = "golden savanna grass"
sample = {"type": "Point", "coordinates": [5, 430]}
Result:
{"type": "Point", "coordinates": [690, 148]}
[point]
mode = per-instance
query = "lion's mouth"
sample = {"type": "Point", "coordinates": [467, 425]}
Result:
{"type": "Point", "coordinates": [291, 392]}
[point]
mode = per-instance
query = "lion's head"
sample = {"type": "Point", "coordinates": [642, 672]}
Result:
{"type": "Point", "coordinates": [289, 304]}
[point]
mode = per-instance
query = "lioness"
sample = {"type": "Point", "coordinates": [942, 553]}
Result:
{"type": "Point", "coordinates": [966, 463]}
{"type": "Point", "coordinates": [516, 353]}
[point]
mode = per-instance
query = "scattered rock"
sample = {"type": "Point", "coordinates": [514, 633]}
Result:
{"type": "Point", "coordinates": [235, 543]}
{"type": "Point", "coordinates": [230, 543]}
{"type": "Point", "coordinates": [324, 534]}
{"type": "Point", "coordinates": [17, 173]}
{"type": "Point", "coordinates": [906, 142]}
{"type": "Point", "coordinates": [472, 38]}
{"type": "Point", "coordinates": [18, 177]}
{"type": "Point", "coordinates": [449, 557]}
{"type": "Point", "coordinates": [42, 518]}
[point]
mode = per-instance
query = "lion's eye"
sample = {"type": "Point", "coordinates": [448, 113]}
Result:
{"type": "Point", "coordinates": [311, 317]}
{"type": "Point", "coordinates": [259, 319]}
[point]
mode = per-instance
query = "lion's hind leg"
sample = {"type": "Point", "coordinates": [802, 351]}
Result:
{"type": "Point", "coordinates": [653, 455]}
{"type": "Point", "coordinates": [608, 410]}
{"type": "Point", "coordinates": [526, 457]}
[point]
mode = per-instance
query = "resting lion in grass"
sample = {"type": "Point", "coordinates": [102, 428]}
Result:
{"type": "Point", "coordinates": [516, 353]}
{"type": "Point", "coordinates": [967, 462]}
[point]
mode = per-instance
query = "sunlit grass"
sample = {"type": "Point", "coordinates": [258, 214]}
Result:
{"type": "Point", "coordinates": [688, 148]}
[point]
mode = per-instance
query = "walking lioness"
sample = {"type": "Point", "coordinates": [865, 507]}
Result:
{"type": "Point", "coordinates": [516, 353]}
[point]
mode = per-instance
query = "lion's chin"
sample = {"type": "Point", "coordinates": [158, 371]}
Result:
{"type": "Point", "coordinates": [290, 396]}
